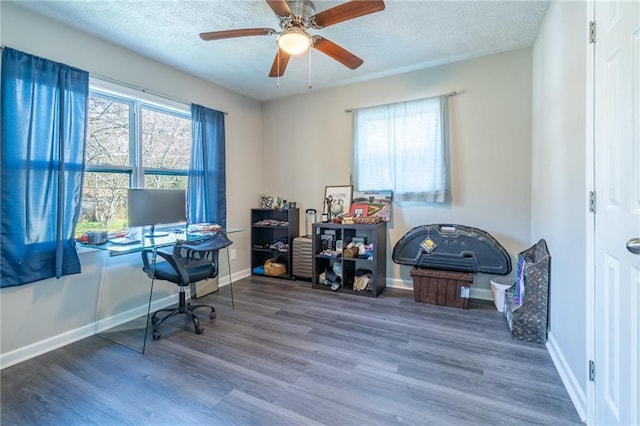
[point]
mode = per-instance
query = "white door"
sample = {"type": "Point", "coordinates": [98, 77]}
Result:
{"type": "Point", "coordinates": [617, 217]}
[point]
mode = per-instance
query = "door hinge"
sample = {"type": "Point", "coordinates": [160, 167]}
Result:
{"type": "Point", "coordinates": [592, 201]}
{"type": "Point", "coordinates": [592, 371]}
{"type": "Point", "coordinates": [592, 32]}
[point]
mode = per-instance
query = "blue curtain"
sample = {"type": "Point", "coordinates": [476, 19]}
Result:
{"type": "Point", "coordinates": [44, 111]}
{"type": "Point", "coordinates": [206, 191]}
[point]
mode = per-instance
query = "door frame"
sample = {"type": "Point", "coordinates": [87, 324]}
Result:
{"type": "Point", "coordinates": [590, 222]}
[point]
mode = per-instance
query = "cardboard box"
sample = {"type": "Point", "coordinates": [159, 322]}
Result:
{"type": "Point", "coordinates": [438, 287]}
{"type": "Point", "coordinates": [274, 269]}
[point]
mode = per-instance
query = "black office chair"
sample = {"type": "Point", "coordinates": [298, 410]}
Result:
{"type": "Point", "coordinates": [190, 262]}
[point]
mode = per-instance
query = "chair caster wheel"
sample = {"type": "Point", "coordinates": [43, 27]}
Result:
{"type": "Point", "coordinates": [199, 330]}
{"type": "Point", "coordinates": [156, 335]}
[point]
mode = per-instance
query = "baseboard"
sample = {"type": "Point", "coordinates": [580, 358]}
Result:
{"type": "Point", "coordinates": [569, 380]}
{"type": "Point", "coordinates": [33, 350]}
{"type": "Point", "coordinates": [401, 284]}
{"type": "Point", "coordinates": [123, 317]}
{"type": "Point", "coordinates": [475, 293]}
{"type": "Point", "coordinates": [223, 280]}
{"type": "Point", "coordinates": [481, 294]}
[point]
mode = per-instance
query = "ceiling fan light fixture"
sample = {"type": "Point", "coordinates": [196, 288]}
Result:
{"type": "Point", "coordinates": [294, 41]}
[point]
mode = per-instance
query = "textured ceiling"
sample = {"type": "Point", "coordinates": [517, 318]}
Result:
{"type": "Point", "coordinates": [406, 36]}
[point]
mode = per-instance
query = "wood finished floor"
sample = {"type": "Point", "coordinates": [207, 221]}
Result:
{"type": "Point", "coordinates": [290, 355]}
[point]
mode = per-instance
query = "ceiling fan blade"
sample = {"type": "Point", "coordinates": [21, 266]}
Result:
{"type": "Point", "coordinates": [336, 52]}
{"type": "Point", "coordinates": [280, 7]}
{"type": "Point", "coordinates": [345, 11]}
{"type": "Point", "coordinates": [279, 63]}
{"type": "Point", "coordinates": [218, 35]}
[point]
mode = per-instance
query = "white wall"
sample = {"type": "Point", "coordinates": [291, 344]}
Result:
{"type": "Point", "coordinates": [308, 145]}
{"type": "Point", "coordinates": [559, 194]}
{"type": "Point", "coordinates": [50, 308]}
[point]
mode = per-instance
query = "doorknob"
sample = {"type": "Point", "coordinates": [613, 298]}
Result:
{"type": "Point", "coordinates": [633, 245]}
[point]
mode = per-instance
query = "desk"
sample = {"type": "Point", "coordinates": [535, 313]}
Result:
{"type": "Point", "coordinates": [149, 242]}
{"type": "Point", "coordinates": [126, 296]}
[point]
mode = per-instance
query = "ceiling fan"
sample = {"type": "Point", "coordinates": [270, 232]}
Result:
{"type": "Point", "coordinates": [296, 17]}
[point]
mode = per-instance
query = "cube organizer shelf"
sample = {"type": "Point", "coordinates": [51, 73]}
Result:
{"type": "Point", "coordinates": [272, 232]}
{"type": "Point", "coordinates": [329, 238]}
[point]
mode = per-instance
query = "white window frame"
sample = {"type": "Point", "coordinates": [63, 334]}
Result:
{"type": "Point", "coordinates": [137, 100]}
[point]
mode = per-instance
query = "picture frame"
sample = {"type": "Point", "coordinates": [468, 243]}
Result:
{"type": "Point", "coordinates": [359, 240]}
{"type": "Point", "coordinates": [266, 201]}
{"type": "Point", "coordinates": [326, 241]}
{"type": "Point", "coordinates": [379, 203]}
{"type": "Point", "coordinates": [359, 210]}
{"type": "Point", "coordinates": [338, 199]}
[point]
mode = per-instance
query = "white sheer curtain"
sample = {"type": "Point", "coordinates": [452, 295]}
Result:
{"type": "Point", "coordinates": [403, 147]}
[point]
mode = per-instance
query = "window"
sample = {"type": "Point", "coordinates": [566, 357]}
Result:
{"type": "Point", "coordinates": [131, 143]}
{"type": "Point", "coordinates": [403, 147]}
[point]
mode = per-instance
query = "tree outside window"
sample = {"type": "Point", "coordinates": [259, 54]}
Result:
{"type": "Point", "coordinates": [126, 152]}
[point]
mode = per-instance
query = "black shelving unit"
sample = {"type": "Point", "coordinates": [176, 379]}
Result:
{"type": "Point", "coordinates": [268, 226]}
{"type": "Point", "coordinates": [324, 261]}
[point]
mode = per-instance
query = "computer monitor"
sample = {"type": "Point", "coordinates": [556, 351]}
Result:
{"type": "Point", "coordinates": [151, 207]}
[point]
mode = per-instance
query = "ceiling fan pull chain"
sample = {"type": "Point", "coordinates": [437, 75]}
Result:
{"type": "Point", "coordinates": [309, 69]}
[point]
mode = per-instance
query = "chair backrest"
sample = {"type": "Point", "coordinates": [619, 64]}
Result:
{"type": "Point", "coordinates": [214, 242]}
{"type": "Point", "coordinates": [189, 262]}
{"type": "Point", "coordinates": [201, 252]}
